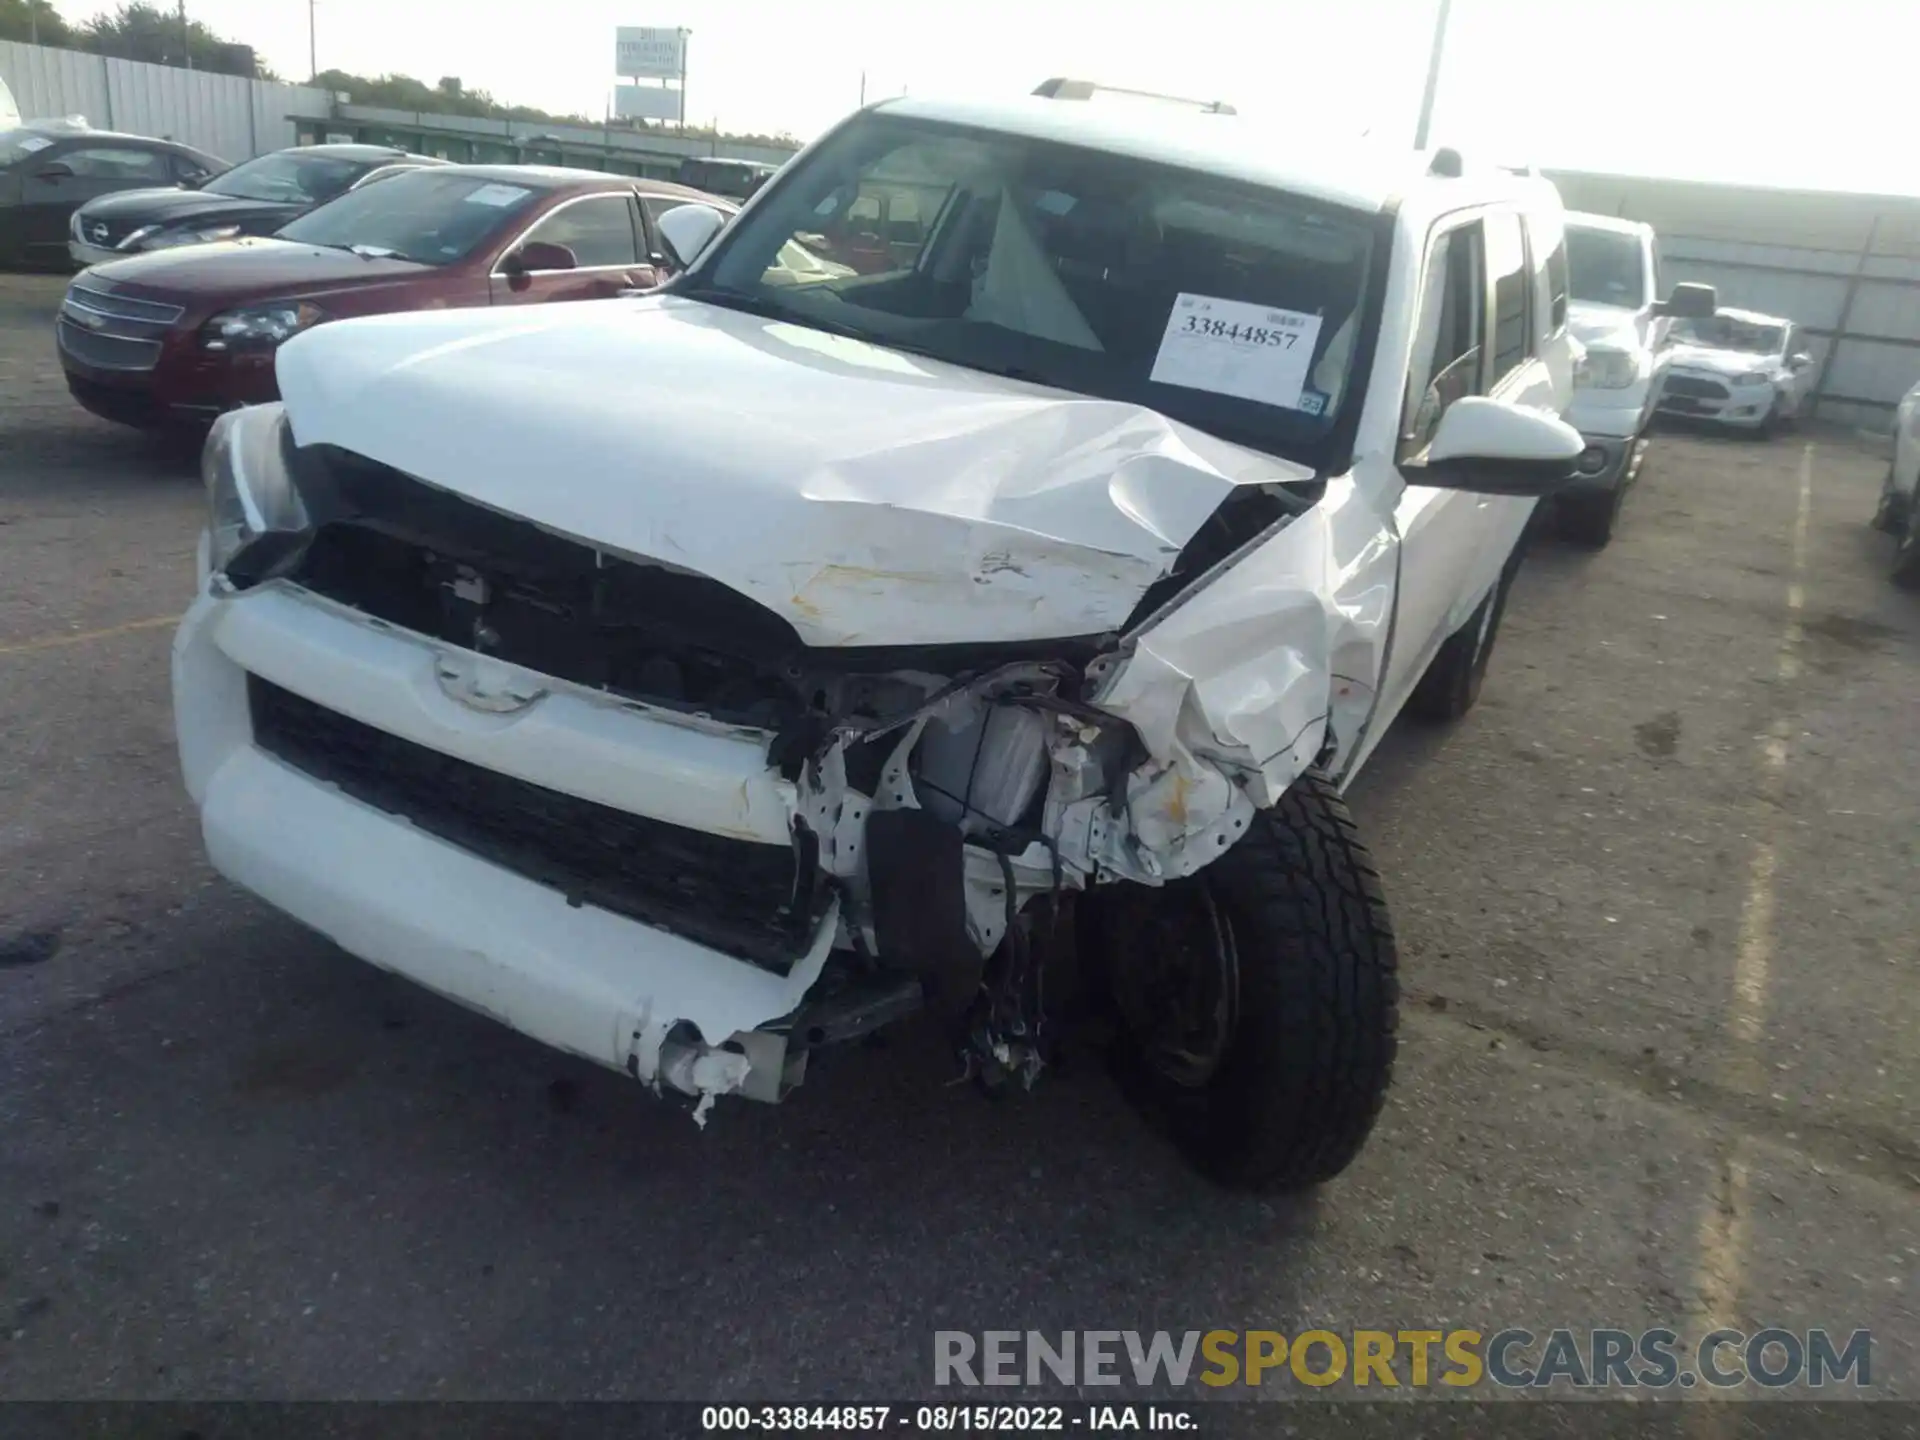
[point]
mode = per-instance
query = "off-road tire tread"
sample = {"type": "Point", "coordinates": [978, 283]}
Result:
{"type": "Point", "coordinates": [1305, 1078]}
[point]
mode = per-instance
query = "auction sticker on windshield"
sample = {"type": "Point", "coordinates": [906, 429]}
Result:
{"type": "Point", "coordinates": [1232, 348]}
{"type": "Point", "coordinates": [496, 195]}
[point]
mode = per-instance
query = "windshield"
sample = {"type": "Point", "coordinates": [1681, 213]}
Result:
{"type": "Point", "coordinates": [288, 176]}
{"type": "Point", "coordinates": [16, 145]}
{"type": "Point", "coordinates": [1725, 332]}
{"type": "Point", "coordinates": [1604, 267]}
{"type": "Point", "coordinates": [424, 215]}
{"type": "Point", "coordinates": [1233, 308]}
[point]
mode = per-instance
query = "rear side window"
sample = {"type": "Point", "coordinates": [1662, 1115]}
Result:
{"type": "Point", "coordinates": [598, 231]}
{"type": "Point", "coordinates": [118, 164]}
{"type": "Point", "coordinates": [1507, 265]}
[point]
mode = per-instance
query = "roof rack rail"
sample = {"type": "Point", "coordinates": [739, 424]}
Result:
{"type": "Point", "coordinates": [1061, 88]}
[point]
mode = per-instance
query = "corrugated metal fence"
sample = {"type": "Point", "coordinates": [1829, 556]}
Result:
{"type": "Point", "coordinates": [226, 115]}
{"type": "Point", "coordinates": [1847, 267]}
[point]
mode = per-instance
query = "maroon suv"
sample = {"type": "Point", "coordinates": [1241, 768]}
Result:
{"type": "Point", "coordinates": [177, 336]}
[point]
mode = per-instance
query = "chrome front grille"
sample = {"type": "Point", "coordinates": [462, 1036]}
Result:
{"type": "Point", "coordinates": [114, 332]}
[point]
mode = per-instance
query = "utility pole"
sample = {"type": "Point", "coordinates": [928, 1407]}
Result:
{"type": "Point", "coordinates": [1433, 75]}
{"type": "Point", "coordinates": [684, 34]}
{"type": "Point", "coordinates": [863, 89]}
{"type": "Point", "coordinates": [33, 22]}
{"type": "Point", "coordinates": [313, 51]}
{"type": "Point", "coordinates": [186, 35]}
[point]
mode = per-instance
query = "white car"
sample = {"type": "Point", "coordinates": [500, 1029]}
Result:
{"type": "Point", "coordinates": [693, 680]}
{"type": "Point", "coordinates": [1899, 512]}
{"type": "Point", "coordinates": [1737, 368]}
{"type": "Point", "coordinates": [1613, 279]}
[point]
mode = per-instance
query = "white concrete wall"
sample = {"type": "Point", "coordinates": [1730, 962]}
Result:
{"type": "Point", "coordinates": [226, 115]}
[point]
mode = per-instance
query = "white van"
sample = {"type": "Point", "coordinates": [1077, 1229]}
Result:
{"type": "Point", "coordinates": [9, 112]}
{"type": "Point", "coordinates": [1613, 276]}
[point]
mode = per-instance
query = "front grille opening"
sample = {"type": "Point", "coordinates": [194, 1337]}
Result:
{"type": "Point", "coordinates": [759, 903]}
{"type": "Point", "coordinates": [444, 567]}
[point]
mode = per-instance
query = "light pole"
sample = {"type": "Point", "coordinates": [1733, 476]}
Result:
{"type": "Point", "coordinates": [1433, 75]}
{"type": "Point", "coordinates": [186, 35]}
{"type": "Point", "coordinates": [313, 51]}
{"type": "Point", "coordinates": [684, 33]}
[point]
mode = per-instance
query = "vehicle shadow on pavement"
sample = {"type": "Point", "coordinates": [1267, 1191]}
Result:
{"type": "Point", "coordinates": [520, 1190]}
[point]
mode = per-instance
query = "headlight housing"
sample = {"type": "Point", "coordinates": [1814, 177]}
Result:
{"type": "Point", "coordinates": [251, 494]}
{"type": "Point", "coordinates": [154, 237]}
{"type": "Point", "coordinates": [259, 327]}
{"type": "Point", "coordinates": [1753, 377]}
{"type": "Point", "coordinates": [1607, 369]}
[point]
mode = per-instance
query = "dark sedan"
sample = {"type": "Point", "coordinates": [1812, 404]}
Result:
{"type": "Point", "coordinates": [256, 197]}
{"type": "Point", "coordinates": [49, 168]}
{"type": "Point", "coordinates": [177, 336]}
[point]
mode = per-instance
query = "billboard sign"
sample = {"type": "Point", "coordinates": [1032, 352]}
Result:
{"type": "Point", "coordinates": [646, 102]}
{"type": "Point", "coordinates": [649, 52]}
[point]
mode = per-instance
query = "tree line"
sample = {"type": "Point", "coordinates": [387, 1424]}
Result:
{"type": "Point", "coordinates": [141, 30]}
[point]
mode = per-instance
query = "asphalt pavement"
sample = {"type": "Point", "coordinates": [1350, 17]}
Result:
{"type": "Point", "coordinates": [1660, 1063]}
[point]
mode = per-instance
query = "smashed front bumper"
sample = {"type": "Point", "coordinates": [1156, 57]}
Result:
{"type": "Point", "coordinates": [577, 791]}
{"type": "Point", "coordinates": [574, 976]}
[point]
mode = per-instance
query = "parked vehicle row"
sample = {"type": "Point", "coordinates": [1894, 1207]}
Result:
{"type": "Point", "coordinates": [180, 335]}
{"type": "Point", "coordinates": [254, 198]}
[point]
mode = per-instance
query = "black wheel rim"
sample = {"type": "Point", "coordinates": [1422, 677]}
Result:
{"type": "Point", "coordinates": [1177, 981]}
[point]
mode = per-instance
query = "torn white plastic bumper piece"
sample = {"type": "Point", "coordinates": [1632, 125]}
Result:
{"type": "Point", "coordinates": [581, 979]}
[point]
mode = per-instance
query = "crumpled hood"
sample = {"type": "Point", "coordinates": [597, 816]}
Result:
{"type": "Point", "coordinates": [869, 497]}
{"type": "Point", "coordinates": [1720, 362]}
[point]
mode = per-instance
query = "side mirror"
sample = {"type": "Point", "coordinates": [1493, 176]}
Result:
{"type": "Point", "coordinates": [1689, 302]}
{"type": "Point", "coordinates": [1493, 448]}
{"type": "Point", "coordinates": [54, 170]}
{"type": "Point", "coordinates": [689, 229]}
{"type": "Point", "coordinates": [1800, 361]}
{"type": "Point", "coordinates": [541, 255]}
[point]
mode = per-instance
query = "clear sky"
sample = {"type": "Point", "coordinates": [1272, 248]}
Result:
{"type": "Point", "coordinates": [1786, 92]}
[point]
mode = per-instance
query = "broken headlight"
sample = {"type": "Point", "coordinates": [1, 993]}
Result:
{"type": "Point", "coordinates": [250, 491]}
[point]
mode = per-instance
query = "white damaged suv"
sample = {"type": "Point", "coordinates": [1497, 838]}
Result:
{"type": "Point", "coordinates": [985, 625]}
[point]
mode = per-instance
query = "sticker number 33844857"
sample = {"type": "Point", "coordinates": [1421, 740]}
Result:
{"type": "Point", "coordinates": [1232, 348]}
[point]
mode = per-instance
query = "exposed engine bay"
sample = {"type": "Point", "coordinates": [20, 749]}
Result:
{"type": "Point", "coordinates": [951, 798]}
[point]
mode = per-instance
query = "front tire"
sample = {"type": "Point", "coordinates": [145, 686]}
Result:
{"type": "Point", "coordinates": [1888, 517]}
{"type": "Point", "coordinates": [1906, 559]}
{"type": "Point", "coordinates": [1588, 520]}
{"type": "Point", "coordinates": [1260, 997]}
{"type": "Point", "coordinates": [1452, 682]}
